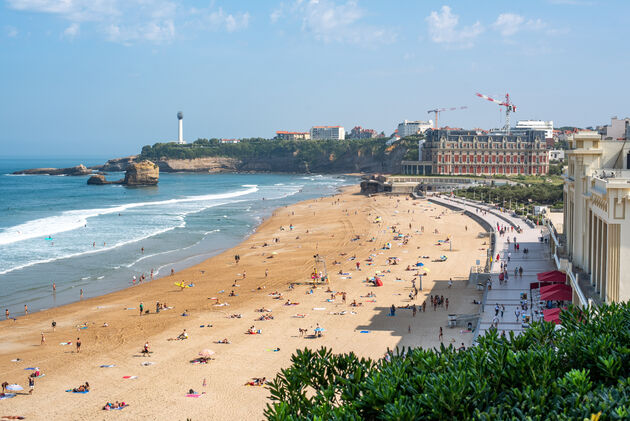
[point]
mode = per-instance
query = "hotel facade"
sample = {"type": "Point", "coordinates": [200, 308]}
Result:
{"type": "Point", "coordinates": [597, 213]}
{"type": "Point", "coordinates": [470, 152]}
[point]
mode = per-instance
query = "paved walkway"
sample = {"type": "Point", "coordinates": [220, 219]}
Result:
{"type": "Point", "coordinates": [508, 295]}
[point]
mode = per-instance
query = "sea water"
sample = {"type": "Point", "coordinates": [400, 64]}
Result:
{"type": "Point", "coordinates": [58, 229]}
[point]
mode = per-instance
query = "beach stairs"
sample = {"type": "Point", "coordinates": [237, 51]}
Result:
{"type": "Point", "coordinates": [463, 320]}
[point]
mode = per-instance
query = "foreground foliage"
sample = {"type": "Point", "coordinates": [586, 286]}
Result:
{"type": "Point", "coordinates": [578, 372]}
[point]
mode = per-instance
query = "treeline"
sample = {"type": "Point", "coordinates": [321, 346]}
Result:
{"type": "Point", "coordinates": [258, 148]}
{"type": "Point", "coordinates": [579, 372]}
{"type": "Point", "coordinates": [533, 194]}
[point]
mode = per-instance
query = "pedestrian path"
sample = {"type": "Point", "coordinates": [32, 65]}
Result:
{"type": "Point", "coordinates": [509, 295]}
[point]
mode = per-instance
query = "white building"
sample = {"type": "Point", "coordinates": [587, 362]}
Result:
{"type": "Point", "coordinates": [597, 213]}
{"type": "Point", "coordinates": [617, 129]}
{"type": "Point", "coordinates": [556, 155]}
{"type": "Point", "coordinates": [408, 128]}
{"type": "Point", "coordinates": [328, 132]}
{"type": "Point", "coordinates": [547, 126]}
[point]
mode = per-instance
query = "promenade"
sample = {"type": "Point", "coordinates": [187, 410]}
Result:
{"type": "Point", "coordinates": [508, 295]}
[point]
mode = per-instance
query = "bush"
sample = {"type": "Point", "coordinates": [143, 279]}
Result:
{"type": "Point", "coordinates": [574, 373]}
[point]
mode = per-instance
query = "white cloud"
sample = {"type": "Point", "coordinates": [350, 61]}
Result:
{"type": "Point", "coordinates": [72, 30]}
{"type": "Point", "coordinates": [11, 31]}
{"type": "Point", "coordinates": [330, 21]}
{"type": "Point", "coordinates": [509, 24]}
{"type": "Point", "coordinates": [221, 20]}
{"type": "Point", "coordinates": [444, 29]}
{"type": "Point", "coordinates": [131, 21]}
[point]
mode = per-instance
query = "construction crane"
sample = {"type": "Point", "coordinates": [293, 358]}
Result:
{"type": "Point", "coordinates": [509, 108]}
{"type": "Point", "coordinates": [439, 110]}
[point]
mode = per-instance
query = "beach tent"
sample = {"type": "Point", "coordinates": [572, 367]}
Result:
{"type": "Point", "coordinates": [378, 282]}
{"type": "Point", "coordinates": [557, 292]}
{"type": "Point", "coordinates": [554, 275]}
{"type": "Point", "coordinates": [552, 315]}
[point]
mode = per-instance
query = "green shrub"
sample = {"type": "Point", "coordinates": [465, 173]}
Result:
{"type": "Point", "coordinates": [572, 373]}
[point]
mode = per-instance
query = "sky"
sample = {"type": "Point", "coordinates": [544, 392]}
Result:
{"type": "Point", "coordinates": [105, 77]}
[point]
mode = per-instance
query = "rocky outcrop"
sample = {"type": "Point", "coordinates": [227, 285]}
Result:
{"type": "Point", "coordinates": [117, 164]}
{"type": "Point", "coordinates": [144, 173]}
{"type": "Point", "coordinates": [78, 170]}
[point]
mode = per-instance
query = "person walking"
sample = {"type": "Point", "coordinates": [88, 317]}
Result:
{"type": "Point", "coordinates": [54, 325]}
{"type": "Point", "coordinates": [141, 308]}
{"type": "Point", "coordinates": [441, 335]}
{"type": "Point", "coordinates": [78, 345]}
{"type": "Point", "coordinates": [25, 310]}
{"type": "Point", "coordinates": [43, 342]}
{"type": "Point", "coordinates": [31, 385]}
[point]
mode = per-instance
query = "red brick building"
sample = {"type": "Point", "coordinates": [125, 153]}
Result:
{"type": "Point", "coordinates": [469, 152]}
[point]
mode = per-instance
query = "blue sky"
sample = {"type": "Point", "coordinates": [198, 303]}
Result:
{"type": "Point", "coordinates": [105, 77]}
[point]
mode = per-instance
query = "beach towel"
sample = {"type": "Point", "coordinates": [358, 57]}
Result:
{"type": "Point", "coordinates": [193, 395]}
{"type": "Point", "coordinates": [72, 391]}
{"type": "Point", "coordinates": [7, 396]}
{"type": "Point", "coordinates": [30, 368]}
{"type": "Point", "coordinates": [65, 343]}
{"type": "Point", "coordinates": [108, 365]}
{"type": "Point", "coordinates": [319, 308]}
{"type": "Point", "coordinates": [365, 331]}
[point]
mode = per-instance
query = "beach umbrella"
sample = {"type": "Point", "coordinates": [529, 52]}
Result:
{"type": "Point", "coordinates": [14, 387]}
{"type": "Point", "coordinates": [319, 329]}
{"type": "Point", "coordinates": [275, 252]}
{"type": "Point", "coordinates": [206, 353]}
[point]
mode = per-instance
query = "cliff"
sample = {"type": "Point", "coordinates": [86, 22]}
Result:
{"type": "Point", "coordinates": [78, 170]}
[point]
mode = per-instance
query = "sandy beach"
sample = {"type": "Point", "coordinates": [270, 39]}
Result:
{"type": "Point", "coordinates": [279, 253]}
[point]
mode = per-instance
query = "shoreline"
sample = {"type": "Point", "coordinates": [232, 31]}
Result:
{"type": "Point", "coordinates": [68, 292]}
{"type": "Point", "coordinates": [326, 226]}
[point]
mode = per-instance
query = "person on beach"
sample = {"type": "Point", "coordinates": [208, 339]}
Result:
{"type": "Point", "coordinates": [31, 385]}
{"type": "Point", "coordinates": [78, 345]}
{"type": "Point", "coordinates": [6, 314]}
{"type": "Point", "coordinates": [141, 308]}
{"type": "Point", "coordinates": [43, 342]}
{"type": "Point", "coordinates": [25, 310]}
{"type": "Point", "coordinates": [54, 287]}
{"type": "Point", "coordinates": [157, 306]}
{"type": "Point", "coordinates": [441, 335]}
{"type": "Point", "coordinates": [54, 325]}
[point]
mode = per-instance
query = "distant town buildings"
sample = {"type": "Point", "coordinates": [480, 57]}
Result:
{"type": "Point", "coordinates": [556, 155]}
{"type": "Point", "coordinates": [618, 129]}
{"type": "Point", "coordinates": [229, 140]}
{"type": "Point", "coordinates": [546, 126]}
{"type": "Point", "coordinates": [469, 152]}
{"type": "Point", "coordinates": [282, 135]}
{"type": "Point", "coordinates": [328, 132]}
{"type": "Point", "coordinates": [359, 132]}
{"type": "Point", "coordinates": [408, 128]}
{"type": "Point", "coordinates": [597, 213]}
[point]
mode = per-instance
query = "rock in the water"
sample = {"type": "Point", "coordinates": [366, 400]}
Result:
{"type": "Point", "coordinates": [97, 180]}
{"type": "Point", "coordinates": [144, 173]}
{"type": "Point", "coordinates": [78, 170]}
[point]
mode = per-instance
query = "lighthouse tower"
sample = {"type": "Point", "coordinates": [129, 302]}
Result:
{"type": "Point", "coordinates": [180, 137]}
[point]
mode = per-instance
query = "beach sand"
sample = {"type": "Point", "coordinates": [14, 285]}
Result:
{"type": "Point", "coordinates": [327, 227]}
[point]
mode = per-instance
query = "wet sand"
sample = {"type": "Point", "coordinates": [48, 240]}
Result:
{"type": "Point", "coordinates": [328, 227]}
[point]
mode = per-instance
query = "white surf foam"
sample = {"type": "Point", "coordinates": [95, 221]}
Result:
{"type": "Point", "coordinates": [75, 219]}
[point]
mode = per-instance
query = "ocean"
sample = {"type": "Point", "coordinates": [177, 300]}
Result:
{"type": "Point", "coordinates": [58, 229]}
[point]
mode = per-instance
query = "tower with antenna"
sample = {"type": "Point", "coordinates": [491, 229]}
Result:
{"type": "Point", "coordinates": [180, 137]}
{"type": "Point", "coordinates": [509, 108]}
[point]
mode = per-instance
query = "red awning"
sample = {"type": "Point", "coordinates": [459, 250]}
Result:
{"type": "Point", "coordinates": [540, 284]}
{"type": "Point", "coordinates": [552, 315]}
{"type": "Point", "coordinates": [557, 292]}
{"type": "Point", "coordinates": [553, 274]}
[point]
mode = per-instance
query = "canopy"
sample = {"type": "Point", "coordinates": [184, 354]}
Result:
{"type": "Point", "coordinates": [552, 315]}
{"type": "Point", "coordinates": [540, 284]}
{"type": "Point", "coordinates": [551, 275]}
{"type": "Point", "coordinates": [557, 292]}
